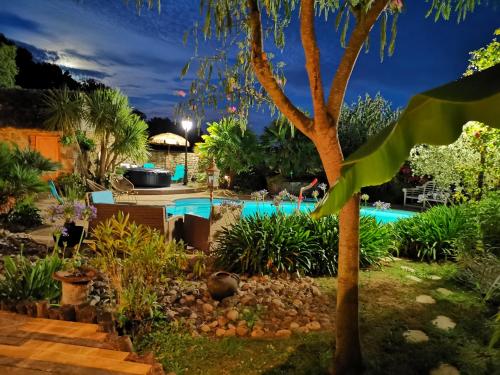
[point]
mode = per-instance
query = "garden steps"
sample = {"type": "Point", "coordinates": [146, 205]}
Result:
{"type": "Point", "coordinates": [35, 346]}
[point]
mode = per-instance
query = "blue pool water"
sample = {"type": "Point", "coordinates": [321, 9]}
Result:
{"type": "Point", "coordinates": [201, 207]}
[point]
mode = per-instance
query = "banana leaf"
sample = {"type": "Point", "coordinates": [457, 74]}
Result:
{"type": "Point", "coordinates": [434, 117]}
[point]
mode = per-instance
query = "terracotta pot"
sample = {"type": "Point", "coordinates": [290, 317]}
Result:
{"type": "Point", "coordinates": [74, 286]}
{"type": "Point", "coordinates": [222, 284]}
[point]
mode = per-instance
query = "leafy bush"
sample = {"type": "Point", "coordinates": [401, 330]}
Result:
{"type": "Point", "coordinates": [294, 243]}
{"type": "Point", "coordinates": [26, 280]}
{"type": "Point", "coordinates": [431, 235]}
{"type": "Point", "coordinates": [72, 186]}
{"type": "Point", "coordinates": [137, 258]}
{"type": "Point", "coordinates": [488, 216]}
{"type": "Point", "coordinates": [23, 216]}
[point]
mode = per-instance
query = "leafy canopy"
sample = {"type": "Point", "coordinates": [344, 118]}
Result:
{"type": "Point", "coordinates": [8, 67]}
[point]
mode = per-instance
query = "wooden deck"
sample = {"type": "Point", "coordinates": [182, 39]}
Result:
{"type": "Point", "coordinates": [40, 346]}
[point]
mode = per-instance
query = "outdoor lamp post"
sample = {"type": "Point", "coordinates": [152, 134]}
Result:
{"type": "Point", "coordinates": [186, 125]}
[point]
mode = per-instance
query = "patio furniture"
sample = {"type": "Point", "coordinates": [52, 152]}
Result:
{"type": "Point", "coordinates": [425, 194]}
{"type": "Point", "coordinates": [94, 186]}
{"type": "Point", "coordinates": [148, 177]}
{"type": "Point", "coordinates": [123, 187]}
{"type": "Point", "coordinates": [178, 173]}
{"type": "Point", "coordinates": [54, 192]}
{"type": "Point", "coordinates": [148, 215]}
{"type": "Point", "coordinates": [148, 165]}
{"type": "Point", "coordinates": [201, 233]}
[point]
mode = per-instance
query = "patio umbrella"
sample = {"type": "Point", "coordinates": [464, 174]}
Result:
{"type": "Point", "coordinates": [168, 139]}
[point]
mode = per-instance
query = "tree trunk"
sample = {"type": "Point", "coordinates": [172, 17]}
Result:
{"type": "Point", "coordinates": [348, 359]}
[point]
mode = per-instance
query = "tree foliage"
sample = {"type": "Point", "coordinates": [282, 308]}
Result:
{"type": "Point", "coordinates": [8, 67]}
{"type": "Point", "coordinates": [288, 152]}
{"type": "Point", "coordinates": [362, 120]}
{"type": "Point", "coordinates": [232, 149]}
{"type": "Point", "coordinates": [121, 135]}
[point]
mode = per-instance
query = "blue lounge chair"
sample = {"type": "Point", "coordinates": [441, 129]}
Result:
{"type": "Point", "coordinates": [179, 173]}
{"type": "Point", "coordinates": [104, 197]}
{"type": "Point", "coordinates": [148, 165]}
{"type": "Point", "coordinates": [54, 192]}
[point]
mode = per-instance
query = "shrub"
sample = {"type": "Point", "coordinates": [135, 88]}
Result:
{"type": "Point", "coordinates": [137, 258]}
{"type": "Point", "coordinates": [23, 216]}
{"type": "Point", "coordinates": [26, 280]}
{"type": "Point", "coordinates": [488, 216]}
{"type": "Point", "coordinates": [72, 186]}
{"type": "Point", "coordinates": [431, 235]}
{"type": "Point", "coordinates": [294, 243]}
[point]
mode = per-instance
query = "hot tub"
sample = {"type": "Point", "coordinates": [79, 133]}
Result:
{"type": "Point", "coordinates": [149, 177]}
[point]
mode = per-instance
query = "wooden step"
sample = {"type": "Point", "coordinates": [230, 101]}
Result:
{"type": "Point", "coordinates": [53, 327]}
{"type": "Point", "coordinates": [75, 349]}
{"type": "Point", "coordinates": [93, 361]}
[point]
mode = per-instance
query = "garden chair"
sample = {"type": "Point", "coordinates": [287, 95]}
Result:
{"type": "Point", "coordinates": [179, 173]}
{"type": "Point", "coordinates": [94, 186]}
{"type": "Point", "coordinates": [425, 194]}
{"type": "Point", "coordinates": [148, 165]}
{"type": "Point", "coordinates": [123, 187]}
{"type": "Point", "coordinates": [54, 192]}
{"type": "Point", "coordinates": [152, 216]}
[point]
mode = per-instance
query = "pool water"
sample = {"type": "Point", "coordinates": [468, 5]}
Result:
{"type": "Point", "coordinates": [201, 207]}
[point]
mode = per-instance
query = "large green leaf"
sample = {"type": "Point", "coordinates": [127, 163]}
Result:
{"type": "Point", "coordinates": [434, 117]}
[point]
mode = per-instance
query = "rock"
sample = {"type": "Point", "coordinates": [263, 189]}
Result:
{"type": "Point", "coordinates": [277, 302]}
{"type": "Point", "coordinates": [408, 269]}
{"type": "Point", "coordinates": [445, 369]}
{"type": "Point", "coordinates": [434, 277]}
{"type": "Point", "coordinates": [220, 332]}
{"type": "Point", "coordinates": [182, 301]}
{"type": "Point", "coordinates": [444, 323]}
{"type": "Point", "coordinates": [294, 326]}
{"type": "Point", "coordinates": [189, 299]}
{"type": "Point", "coordinates": [230, 332]}
{"type": "Point", "coordinates": [425, 299]}
{"type": "Point", "coordinates": [214, 324]}
{"type": "Point", "coordinates": [232, 315]}
{"type": "Point", "coordinates": [207, 308]}
{"type": "Point", "coordinates": [222, 321]}
{"type": "Point", "coordinates": [256, 333]}
{"type": "Point", "coordinates": [297, 303]}
{"type": "Point", "coordinates": [247, 300]}
{"type": "Point", "coordinates": [444, 291]}
{"type": "Point", "coordinates": [241, 330]}
{"type": "Point", "coordinates": [222, 284]}
{"type": "Point", "coordinates": [193, 316]}
{"type": "Point", "coordinates": [283, 333]}
{"type": "Point", "coordinates": [302, 329]}
{"type": "Point", "coordinates": [415, 336]}
{"type": "Point", "coordinates": [414, 278]}
{"type": "Point", "coordinates": [291, 312]}
{"type": "Point", "coordinates": [313, 326]}
{"type": "Point", "coordinates": [315, 291]}
{"type": "Point", "coordinates": [205, 328]}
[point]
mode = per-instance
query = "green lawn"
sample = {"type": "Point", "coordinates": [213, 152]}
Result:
{"type": "Point", "coordinates": [388, 308]}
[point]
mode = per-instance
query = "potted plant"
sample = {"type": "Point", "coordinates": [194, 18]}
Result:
{"type": "Point", "coordinates": [71, 234]}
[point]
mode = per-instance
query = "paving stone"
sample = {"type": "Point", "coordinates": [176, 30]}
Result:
{"type": "Point", "coordinates": [445, 369]}
{"type": "Point", "coordinates": [434, 277]}
{"type": "Point", "coordinates": [444, 323]}
{"type": "Point", "coordinates": [425, 299]}
{"type": "Point", "coordinates": [414, 278]}
{"type": "Point", "coordinates": [408, 269]}
{"type": "Point", "coordinates": [444, 291]}
{"type": "Point", "coordinates": [415, 336]}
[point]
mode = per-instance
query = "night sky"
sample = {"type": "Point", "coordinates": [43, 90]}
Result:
{"type": "Point", "coordinates": [143, 55]}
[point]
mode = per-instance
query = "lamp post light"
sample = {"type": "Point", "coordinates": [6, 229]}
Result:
{"type": "Point", "coordinates": [186, 125]}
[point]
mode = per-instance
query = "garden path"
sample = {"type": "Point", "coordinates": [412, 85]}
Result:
{"type": "Point", "coordinates": [38, 346]}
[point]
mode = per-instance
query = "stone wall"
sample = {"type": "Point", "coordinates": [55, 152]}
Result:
{"type": "Point", "coordinates": [26, 138]}
{"type": "Point", "coordinates": [163, 159]}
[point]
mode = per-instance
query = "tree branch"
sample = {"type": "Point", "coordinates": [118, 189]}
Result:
{"type": "Point", "coordinates": [358, 36]}
{"type": "Point", "coordinates": [265, 75]}
{"type": "Point", "coordinates": [312, 55]}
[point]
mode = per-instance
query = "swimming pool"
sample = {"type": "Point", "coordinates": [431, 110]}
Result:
{"type": "Point", "coordinates": [201, 207]}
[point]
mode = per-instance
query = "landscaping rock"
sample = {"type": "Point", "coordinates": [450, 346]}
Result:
{"type": "Point", "coordinates": [445, 369]}
{"type": "Point", "coordinates": [414, 336]}
{"type": "Point", "coordinates": [242, 330]}
{"type": "Point", "coordinates": [257, 333]}
{"type": "Point", "coordinates": [425, 299]}
{"type": "Point", "coordinates": [444, 291]}
{"type": "Point", "coordinates": [230, 332]}
{"type": "Point", "coordinates": [408, 269]}
{"type": "Point", "coordinates": [444, 323]}
{"type": "Point", "coordinates": [313, 326]}
{"type": "Point", "coordinates": [220, 332]}
{"type": "Point", "coordinates": [414, 278]}
{"type": "Point", "coordinates": [283, 333]}
{"type": "Point", "coordinates": [434, 277]}
{"type": "Point", "coordinates": [232, 315]}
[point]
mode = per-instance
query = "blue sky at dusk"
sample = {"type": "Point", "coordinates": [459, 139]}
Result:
{"type": "Point", "coordinates": [143, 55]}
